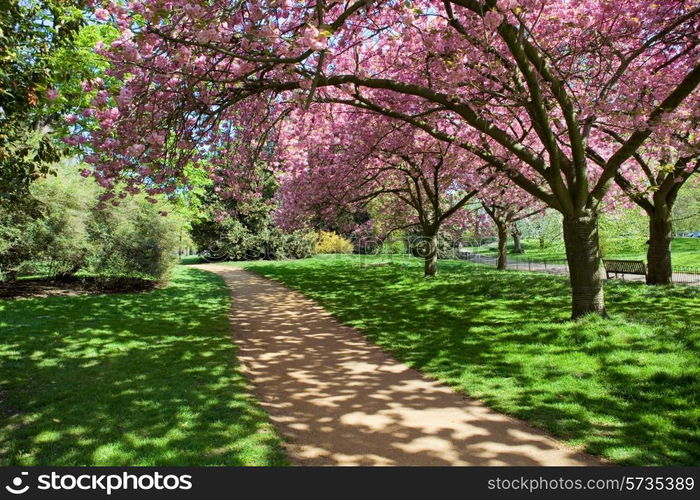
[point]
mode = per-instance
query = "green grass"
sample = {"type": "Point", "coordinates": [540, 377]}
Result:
{"type": "Point", "coordinates": [132, 379]}
{"type": "Point", "coordinates": [684, 251]}
{"type": "Point", "coordinates": [626, 388]}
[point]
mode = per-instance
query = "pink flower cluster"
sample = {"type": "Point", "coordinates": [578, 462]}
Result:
{"type": "Point", "coordinates": [556, 96]}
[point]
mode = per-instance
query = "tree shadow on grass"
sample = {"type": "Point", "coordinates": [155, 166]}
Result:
{"type": "Point", "coordinates": [146, 379]}
{"type": "Point", "coordinates": [627, 387]}
{"type": "Point", "coordinates": [340, 400]}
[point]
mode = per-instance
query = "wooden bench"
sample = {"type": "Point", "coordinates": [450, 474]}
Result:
{"type": "Point", "coordinates": [613, 266]}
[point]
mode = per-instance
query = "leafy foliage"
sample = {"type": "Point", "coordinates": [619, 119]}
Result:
{"type": "Point", "coordinates": [226, 227]}
{"type": "Point", "coordinates": [35, 37]}
{"type": "Point", "coordinates": [134, 240]}
{"type": "Point", "coordinates": [65, 233]}
{"type": "Point", "coordinates": [329, 242]}
{"type": "Point", "coordinates": [230, 239]}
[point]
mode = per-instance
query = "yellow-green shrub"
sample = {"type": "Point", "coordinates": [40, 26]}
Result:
{"type": "Point", "coordinates": [329, 242]}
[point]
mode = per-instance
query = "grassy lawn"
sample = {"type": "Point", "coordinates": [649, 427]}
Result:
{"type": "Point", "coordinates": [685, 251]}
{"type": "Point", "coordinates": [626, 388]}
{"type": "Point", "coordinates": [129, 379]}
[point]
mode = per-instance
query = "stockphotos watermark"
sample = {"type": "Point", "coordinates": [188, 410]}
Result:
{"type": "Point", "coordinates": [106, 483]}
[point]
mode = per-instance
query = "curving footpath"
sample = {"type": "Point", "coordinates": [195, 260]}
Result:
{"type": "Point", "coordinates": [338, 399]}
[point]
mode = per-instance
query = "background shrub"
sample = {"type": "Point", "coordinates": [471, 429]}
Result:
{"type": "Point", "coordinates": [300, 244]}
{"type": "Point", "coordinates": [59, 238]}
{"type": "Point", "coordinates": [231, 239]}
{"type": "Point", "coordinates": [58, 231]}
{"type": "Point", "coordinates": [329, 242]}
{"type": "Point", "coordinates": [134, 240]}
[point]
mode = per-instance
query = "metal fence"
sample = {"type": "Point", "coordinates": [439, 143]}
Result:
{"type": "Point", "coordinates": [463, 250]}
{"type": "Point", "coordinates": [554, 266]}
{"type": "Point", "coordinates": [682, 275]}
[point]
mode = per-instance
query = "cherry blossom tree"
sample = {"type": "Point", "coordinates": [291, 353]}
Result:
{"type": "Point", "coordinates": [526, 86]}
{"type": "Point", "coordinates": [338, 157]}
{"type": "Point", "coordinates": [654, 186]}
{"type": "Point", "coordinates": [505, 211]}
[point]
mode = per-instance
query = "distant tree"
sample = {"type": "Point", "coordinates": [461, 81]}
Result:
{"type": "Point", "coordinates": [546, 229]}
{"type": "Point", "coordinates": [505, 211]}
{"type": "Point", "coordinates": [686, 211]}
{"type": "Point", "coordinates": [662, 170]}
{"type": "Point", "coordinates": [422, 181]}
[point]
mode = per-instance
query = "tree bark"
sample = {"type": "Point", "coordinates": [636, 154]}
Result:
{"type": "Point", "coordinates": [431, 255]}
{"type": "Point", "coordinates": [659, 269]}
{"type": "Point", "coordinates": [517, 247]}
{"type": "Point", "coordinates": [502, 246]}
{"type": "Point", "coordinates": [583, 255]}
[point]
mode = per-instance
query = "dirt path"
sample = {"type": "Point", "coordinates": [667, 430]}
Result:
{"type": "Point", "coordinates": [340, 400]}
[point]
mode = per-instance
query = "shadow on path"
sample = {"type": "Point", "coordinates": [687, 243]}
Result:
{"type": "Point", "coordinates": [339, 400]}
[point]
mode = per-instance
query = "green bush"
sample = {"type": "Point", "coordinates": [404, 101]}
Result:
{"type": "Point", "coordinates": [396, 245]}
{"type": "Point", "coordinates": [299, 244]}
{"type": "Point", "coordinates": [230, 239]}
{"type": "Point", "coordinates": [328, 242]}
{"type": "Point", "coordinates": [14, 247]}
{"type": "Point", "coordinates": [60, 232]}
{"type": "Point", "coordinates": [60, 240]}
{"type": "Point", "coordinates": [47, 232]}
{"type": "Point", "coordinates": [273, 244]}
{"type": "Point", "coordinates": [134, 240]}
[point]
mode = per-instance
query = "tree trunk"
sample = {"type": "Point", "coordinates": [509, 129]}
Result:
{"type": "Point", "coordinates": [515, 232]}
{"type": "Point", "coordinates": [659, 268]}
{"type": "Point", "coordinates": [431, 255]}
{"type": "Point", "coordinates": [583, 256]}
{"type": "Point", "coordinates": [502, 246]}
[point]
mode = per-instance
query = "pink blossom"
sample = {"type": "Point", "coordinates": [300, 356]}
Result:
{"type": "Point", "coordinates": [136, 149]}
{"type": "Point", "coordinates": [99, 100]}
{"type": "Point", "coordinates": [505, 5]}
{"type": "Point", "coordinates": [313, 39]}
{"type": "Point", "coordinates": [493, 19]}
{"type": "Point", "coordinates": [102, 14]}
{"type": "Point", "coordinates": [408, 18]}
